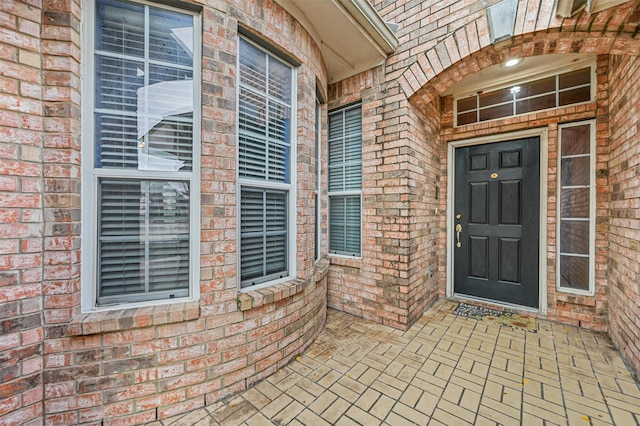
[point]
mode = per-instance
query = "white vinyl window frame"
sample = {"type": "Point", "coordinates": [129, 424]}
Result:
{"type": "Point", "coordinates": [318, 184]}
{"type": "Point", "coordinates": [92, 175]}
{"type": "Point", "coordinates": [590, 220]}
{"type": "Point", "coordinates": [524, 79]}
{"type": "Point", "coordinates": [344, 191]}
{"type": "Point", "coordinates": [257, 183]}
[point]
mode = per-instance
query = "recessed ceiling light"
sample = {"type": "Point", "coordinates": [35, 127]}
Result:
{"type": "Point", "coordinates": [512, 62]}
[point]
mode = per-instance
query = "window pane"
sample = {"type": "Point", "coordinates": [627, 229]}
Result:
{"type": "Point", "coordinates": [117, 83]}
{"type": "Point", "coordinates": [120, 28]}
{"type": "Point", "coordinates": [345, 150]}
{"type": "Point", "coordinates": [574, 96]}
{"type": "Point", "coordinates": [253, 66]}
{"type": "Point", "coordinates": [574, 272]}
{"type": "Point", "coordinates": [575, 140]}
{"type": "Point", "coordinates": [574, 237]}
{"type": "Point", "coordinates": [143, 232]}
{"type": "Point", "coordinates": [263, 229]}
{"type": "Point", "coordinates": [279, 80]}
{"type": "Point", "coordinates": [496, 97]}
{"type": "Point", "coordinates": [537, 87]}
{"type": "Point", "coordinates": [496, 112]}
{"type": "Point", "coordinates": [467, 104]}
{"type": "Point", "coordinates": [170, 36]}
{"type": "Point", "coordinates": [344, 225]}
{"type": "Point", "coordinates": [467, 118]}
{"type": "Point", "coordinates": [575, 78]}
{"type": "Point", "coordinates": [575, 171]}
{"type": "Point", "coordinates": [574, 203]}
{"type": "Point", "coordinates": [536, 104]}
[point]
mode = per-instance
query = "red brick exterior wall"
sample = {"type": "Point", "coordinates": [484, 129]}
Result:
{"type": "Point", "coordinates": [136, 365]}
{"type": "Point", "coordinates": [624, 208]}
{"type": "Point", "coordinates": [60, 366]}
{"type": "Point", "coordinates": [22, 210]}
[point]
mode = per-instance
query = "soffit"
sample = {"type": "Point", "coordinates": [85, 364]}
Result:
{"type": "Point", "coordinates": [352, 36]}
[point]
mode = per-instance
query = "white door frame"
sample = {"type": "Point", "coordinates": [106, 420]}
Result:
{"type": "Point", "coordinates": [540, 132]}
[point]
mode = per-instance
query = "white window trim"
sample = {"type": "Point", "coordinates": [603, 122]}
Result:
{"type": "Point", "coordinates": [340, 195]}
{"type": "Point", "coordinates": [318, 204]}
{"type": "Point", "coordinates": [592, 208]}
{"type": "Point", "coordinates": [291, 187]}
{"type": "Point", "coordinates": [336, 194]}
{"type": "Point", "coordinates": [89, 175]}
{"type": "Point", "coordinates": [589, 63]}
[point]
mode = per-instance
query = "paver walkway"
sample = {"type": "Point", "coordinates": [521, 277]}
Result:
{"type": "Point", "coordinates": [445, 370]}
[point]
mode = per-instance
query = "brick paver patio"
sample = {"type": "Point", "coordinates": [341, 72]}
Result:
{"type": "Point", "coordinates": [446, 370]}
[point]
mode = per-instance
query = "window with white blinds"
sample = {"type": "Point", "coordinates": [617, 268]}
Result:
{"type": "Point", "coordinates": [143, 152]}
{"type": "Point", "coordinates": [345, 181]}
{"type": "Point", "coordinates": [264, 165]}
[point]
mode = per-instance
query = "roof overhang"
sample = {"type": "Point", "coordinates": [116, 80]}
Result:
{"type": "Point", "coordinates": [352, 36]}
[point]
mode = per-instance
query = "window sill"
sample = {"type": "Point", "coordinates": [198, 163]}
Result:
{"type": "Point", "coordinates": [128, 319]}
{"type": "Point", "coordinates": [351, 262]}
{"type": "Point", "coordinates": [264, 296]}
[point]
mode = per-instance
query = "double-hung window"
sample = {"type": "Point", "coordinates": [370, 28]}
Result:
{"type": "Point", "coordinates": [141, 154]}
{"type": "Point", "coordinates": [345, 180]}
{"type": "Point", "coordinates": [266, 170]}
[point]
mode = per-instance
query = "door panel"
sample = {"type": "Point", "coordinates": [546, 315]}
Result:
{"type": "Point", "coordinates": [496, 221]}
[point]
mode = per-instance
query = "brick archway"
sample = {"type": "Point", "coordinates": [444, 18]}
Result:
{"type": "Point", "coordinates": [469, 49]}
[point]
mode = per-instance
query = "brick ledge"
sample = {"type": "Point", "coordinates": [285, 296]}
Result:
{"type": "Point", "coordinates": [127, 319]}
{"type": "Point", "coordinates": [264, 296]}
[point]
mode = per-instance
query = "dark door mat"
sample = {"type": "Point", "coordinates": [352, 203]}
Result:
{"type": "Point", "coordinates": [497, 317]}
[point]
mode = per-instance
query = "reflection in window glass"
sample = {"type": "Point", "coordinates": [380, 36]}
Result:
{"type": "Point", "coordinates": [550, 92]}
{"type": "Point", "coordinates": [143, 121]}
{"type": "Point", "coordinates": [575, 210]}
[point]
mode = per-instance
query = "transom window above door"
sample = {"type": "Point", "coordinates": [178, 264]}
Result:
{"type": "Point", "coordinates": [568, 88]}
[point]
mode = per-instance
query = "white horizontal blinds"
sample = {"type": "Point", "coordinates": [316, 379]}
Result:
{"type": "Point", "coordinates": [345, 150]}
{"type": "Point", "coordinates": [575, 207]}
{"type": "Point", "coordinates": [344, 225]}
{"type": "Point", "coordinates": [144, 79]}
{"type": "Point", "coordinates": [264, 115]}
{"type": "Point", "coordinates": [143, 234]}
{"type": "Point", "coordinates": [263, 219]}
{"type": "Point", "coordinates": [345, 181]}
{"type": "Point", "coordinates": [264, 164]}
{"type": "Point", "coordinates": [143, 110]}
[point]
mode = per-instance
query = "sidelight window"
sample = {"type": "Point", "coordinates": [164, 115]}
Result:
{"type": "Point", "coordinates": [576, 207]}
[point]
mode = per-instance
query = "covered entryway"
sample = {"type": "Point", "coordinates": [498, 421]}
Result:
{"type": "Point", "coordinates": [496, 221]}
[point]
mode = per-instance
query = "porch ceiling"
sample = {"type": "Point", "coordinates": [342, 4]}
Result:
{"type": "Point", "coordinates": [352, 36]}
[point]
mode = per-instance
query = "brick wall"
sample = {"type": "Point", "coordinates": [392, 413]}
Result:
{"type": "Point", "coordinates": [624, 179]}
{"type": "Point", "coordinates": [131, 366]}
{"type": "Point", "coordinates": [21, 213]}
